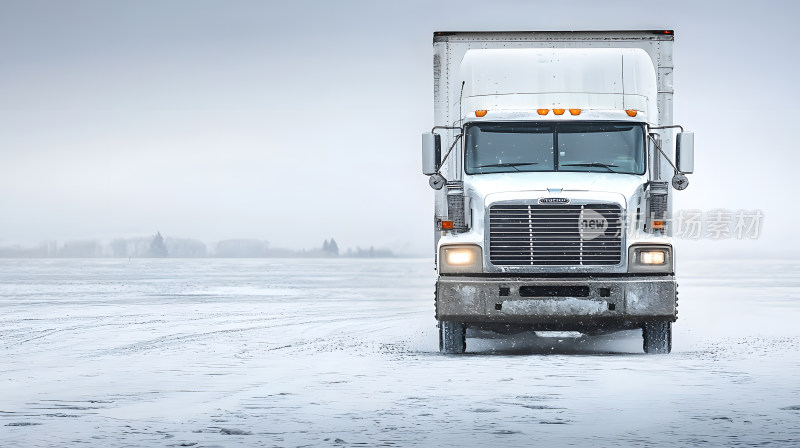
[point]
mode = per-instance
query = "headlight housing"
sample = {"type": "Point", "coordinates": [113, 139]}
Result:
{"type": "Point", "coordinates": [460, 259]}
{"type": "Point", "coordinates": [656, 258]}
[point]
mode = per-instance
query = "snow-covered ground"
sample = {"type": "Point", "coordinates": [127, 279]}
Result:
{"type": "Point", "coordinates": [344, 353]}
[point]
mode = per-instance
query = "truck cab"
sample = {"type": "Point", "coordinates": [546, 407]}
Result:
{"type": "Point", "coordinates": [551, 157]}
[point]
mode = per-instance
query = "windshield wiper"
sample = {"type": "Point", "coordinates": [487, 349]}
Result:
{"type": "Point", "coordinates": [507, 165]}
{"type": "Point", "coordinates": [593, 165]}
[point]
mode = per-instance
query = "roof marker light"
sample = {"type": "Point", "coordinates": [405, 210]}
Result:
{"type": "Point", "coordinates": [558, 111]}
{"type": "Point", "coordinates": [575, 111]}
{"type": "Point", "coordinates": [481, 113]}
{"type": "Point", "coordinates": [631, 112]}
{"type": "Point", "coordinates": [542, 111]}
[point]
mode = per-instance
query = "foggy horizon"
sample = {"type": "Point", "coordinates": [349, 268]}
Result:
{"type": "Point", "coordinates": [182, 247]}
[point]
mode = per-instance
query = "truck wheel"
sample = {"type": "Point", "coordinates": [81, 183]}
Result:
{"type": "Point", "coordinates": [452, 337]}
{"type": "Point", "coordinates": [657, 336]}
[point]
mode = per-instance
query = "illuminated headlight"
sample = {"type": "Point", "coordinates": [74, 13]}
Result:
{"type": "Point", "coordinates": [650, 258]}
{"type": "Point", "coordinates": [462, 258]}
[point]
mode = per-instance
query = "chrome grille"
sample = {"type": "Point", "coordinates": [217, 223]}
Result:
{"type": "Point", "coordinates": [566, 235]}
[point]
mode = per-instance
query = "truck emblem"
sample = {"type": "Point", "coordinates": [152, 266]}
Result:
{"type": "Point", "coordinates": [554, 200]}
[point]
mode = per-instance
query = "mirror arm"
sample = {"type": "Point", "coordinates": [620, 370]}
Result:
{"type": "Point", "coordinates": [667, 127]}
{"type": "Point", "coordinates": [658, 147]}
{"type": "Point", "coordinates": [433, 129]}
{"type": "Point", "coordinates": [679, 180]}
{"type": "Point", "coordinates": [455, 140]}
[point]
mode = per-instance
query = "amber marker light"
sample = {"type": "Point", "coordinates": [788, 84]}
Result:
{"type": "Point", "coordinates": [542, 111]}
{"type": "Point", "coordinates": [447, 224]}
{"type": "Point", "coordinates": [481, 113]}
{"type": "Point", "coordinates": [575, 111]}
{"type": "Point", "coordinates": [558, 111]}
{"type": "Point", "coordinates": [658, 225]}
{"type": "Point", "coordinates": [631, 112]}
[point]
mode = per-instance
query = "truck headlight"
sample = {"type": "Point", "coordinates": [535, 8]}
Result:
{"type": "Point", "coordinates": [461, 258]}
{"type": "Point", "coordinates": [650, 258]}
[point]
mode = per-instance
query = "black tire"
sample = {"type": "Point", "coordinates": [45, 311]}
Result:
{"type": "Point", "coordinates": [657, 337]}
{"type": "Point", "coordinates": [452, 337]}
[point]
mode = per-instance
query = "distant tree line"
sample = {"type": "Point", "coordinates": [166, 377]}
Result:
{"type": "Point", "coordinates": [157, 246]}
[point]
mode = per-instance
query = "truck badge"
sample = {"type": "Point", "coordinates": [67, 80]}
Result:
{"type": "Point", "coordinates": [558, 201]}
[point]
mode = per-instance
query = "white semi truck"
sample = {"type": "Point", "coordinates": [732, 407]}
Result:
{"type": "Point", "coordinates": [551, 157]}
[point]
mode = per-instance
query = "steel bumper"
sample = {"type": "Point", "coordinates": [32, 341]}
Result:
{"type": "Point", "coordinates": [627, 300]}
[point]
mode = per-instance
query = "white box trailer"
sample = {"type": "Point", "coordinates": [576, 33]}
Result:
{"type": "Point", "coordinates": [551, 157]}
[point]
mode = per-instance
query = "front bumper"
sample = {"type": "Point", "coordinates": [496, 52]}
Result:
{"type": "Point", "coordinates": [557, 303]}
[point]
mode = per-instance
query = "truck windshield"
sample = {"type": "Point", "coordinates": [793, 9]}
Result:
{"type": "Point", "coordinates": [615, 147]}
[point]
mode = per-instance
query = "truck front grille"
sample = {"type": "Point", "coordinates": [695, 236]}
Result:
{"type": "Point", "coordinates": [566, 235]}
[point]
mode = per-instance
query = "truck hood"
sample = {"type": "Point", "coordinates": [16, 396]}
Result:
{"type": "Point", "coordinates": [504, 186]}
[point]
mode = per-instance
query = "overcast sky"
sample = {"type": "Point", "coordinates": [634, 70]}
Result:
{"type": "Point", "coordinates": [299, 121]}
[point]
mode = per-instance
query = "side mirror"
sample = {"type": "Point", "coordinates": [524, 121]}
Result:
{"type": "Point", "coordinates": [431, 153]}
{"type": "Point", "coordinates": [684, 152]}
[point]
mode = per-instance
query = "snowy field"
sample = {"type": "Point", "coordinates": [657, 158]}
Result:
{"type": "Point", "coordinates": [205, 353]}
